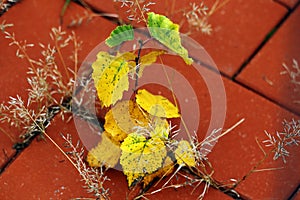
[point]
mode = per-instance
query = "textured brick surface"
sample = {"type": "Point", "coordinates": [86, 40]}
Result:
{"type": "Point", "coordinates": [264, 71]}
{"type": "Point", "coordinates": [42, 172]}
{"type": "Point", "coordinates": [236, 153]}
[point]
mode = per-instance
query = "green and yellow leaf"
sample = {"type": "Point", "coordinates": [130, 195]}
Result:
{"type": "Point", "coordinates": [110, 76]}
{"type": "Point", "coordinates": [166, 32]}
{"type": "Point", "coordinates": [105, 153]}
{"type": "Point", "coordinates": [184, 154]}
{"type": "Point", "coordinates": [141, 156]}
{"type": "Point", "coordinates": [120, 34]}
{"type": "Point", "coordinates": [160, 128]}
{"type": "Point", "coordinates": [156, 105]}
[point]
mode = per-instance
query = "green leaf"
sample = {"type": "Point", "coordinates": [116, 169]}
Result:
{"type": "Point", "coordinates": [120, 34]}
{"type": "Point", "coordinates": [166, 32]}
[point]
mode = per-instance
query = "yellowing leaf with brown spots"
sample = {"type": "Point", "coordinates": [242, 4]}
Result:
{"type": "Point", "coordinates": [141, 156]}
{"type": "Point", "coordinates": [103, 60]}
{"type": "Point", "coordinates": [184, 154]}
{"type": "Point", "coordinates": [105, 153]}
{"type": "Point", "coordinates": [156, 105]}
{"type": "Point", "coordinates": [110, 76]}
{"type": "Point", "coordinates": [167, 169]}
{"type": "Point", "coordinates": [122, 118]}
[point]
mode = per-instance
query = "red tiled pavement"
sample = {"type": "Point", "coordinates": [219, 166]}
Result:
{"type": "Point", "coordinates": [236, 34]}
{"type": "Point", "coordinates": [237, 147]}
{"type": "Point", "coordinates": [42, 170]}
{"type": "Point", "coordinates": [263, 73]}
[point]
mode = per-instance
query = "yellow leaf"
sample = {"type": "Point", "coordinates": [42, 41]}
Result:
{"type": "Point", "coordinates": [128, 56]}
{"type": "Point", "coordinates": [184, 154]}
{"type": "Point", "coordinates": [167, 169]}
{"type": "Point", "coordinates": [122, 118]}
{"type": "Point", "coordinates": [105, 153]}
{"type": "Point", "coordinates": [156, 105]}
{"type": "Point", "coordinates": [148, 59]}
{"type": "Point", "coordinates": [110, 76]}
{"type": "Point", "coordinates": [141, 156]}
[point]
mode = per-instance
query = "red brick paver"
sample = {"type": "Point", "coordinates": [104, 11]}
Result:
{"type": "Point", "coordinates": [263, 74]}
{"type": "Point", "coordinates": [236, 153]}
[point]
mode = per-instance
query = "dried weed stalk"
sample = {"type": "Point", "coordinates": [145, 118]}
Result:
{"type": "Point", "coordinates": [136, 9]}
{"type": "Point", "coordinates": [94, 178]}
{"type": "Point", "coordinates": [197, 16]}
{"type": "Point", "coordinates": [49, 90]}
{"type": "Point", "coordinates": [50, 93]}
{"type": "Point", "coordinates": [281, 140]}
{"type": "Point", "coordinates": [294, 74]}
{"type": "Point", "coordinates": [6, 4]}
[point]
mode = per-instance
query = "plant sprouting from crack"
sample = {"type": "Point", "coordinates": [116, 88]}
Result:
{"type": "Point", "coordinates": [138, 132]}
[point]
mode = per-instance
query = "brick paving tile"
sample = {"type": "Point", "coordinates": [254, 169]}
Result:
{"type": "Point", "coordinates": [42, 172]}
{"type": "Point", "coordinates": [264, 72]}
{"type": "Point", "coordinates": [236, 153]}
